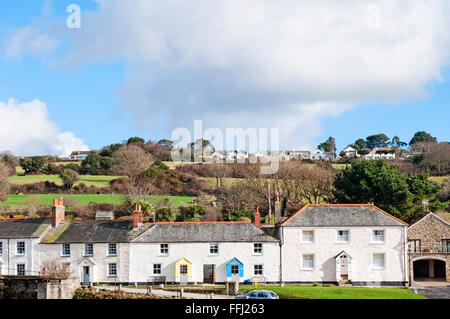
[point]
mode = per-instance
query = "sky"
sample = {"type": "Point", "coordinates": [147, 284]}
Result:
{"type": "Point", "coordinates": [313, 69]}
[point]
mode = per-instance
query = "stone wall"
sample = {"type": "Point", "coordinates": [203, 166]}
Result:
{"type": "Point", "coordinates": [430, 230]}
{"type": "Point", "coordinates": [13, 287]}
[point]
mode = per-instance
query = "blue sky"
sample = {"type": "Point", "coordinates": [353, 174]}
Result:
{"type": "Point", "coordinates": [104, 97]}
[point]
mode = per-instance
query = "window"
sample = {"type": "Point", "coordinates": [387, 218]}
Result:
{"type": "Point", "coordinates": [112, 249]}
{"type": "Point", "coordinates": [446, 245]}
{"type": "Point", "coordinates": [164, 249]}
{"type": "Point", "coordinates": [157, 269]}
{"type": "Point", "coordinates": [308, 261]}
{"type": "Point", "coordinates": [414, 245]}
{"type": "Point", "coordinates": [20, 269]}
{"type": "Point", "coordinates": [378, 261]}
{"type": "Point", "coordinates": [89, 249]}
{"type": "Point", "coordinates": [307, 236]}
{"type": "Point", "coordinates": [112, 270]}
{"type": "Point", "coordinates": [21, 248]}
{"type": "Point", "coordinates": [65, 250]}
{"type": "Point", "coordinates": [342, 236]}
{"type": "Point", "coordinates": [235, 269]}
{"type": "Point", "coordinates": [378, 236]}
{"type": "Point", "coordinates": [183, 269]}
{"type": "Point", "coordinates": [258, 270]}
{"type": "Point", "coordinates": [214, 249]}
{"type": "Point", "coordinates": [257, 248]}
{"type": "Point", "coordinates": [1, 248]}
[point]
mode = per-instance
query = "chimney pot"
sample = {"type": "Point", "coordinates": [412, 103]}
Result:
{"type": "Point", "coordinates": [58, 212]}
{"type": "Point", "coordinates": [257, 223]}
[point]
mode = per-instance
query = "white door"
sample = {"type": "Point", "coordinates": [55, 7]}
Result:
{"type": "Point", "coordinates": [344, 265]}
{"type": "Point", "coordinates": [184, 274]}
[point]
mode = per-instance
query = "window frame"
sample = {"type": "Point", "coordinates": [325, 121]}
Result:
{"type": "Point", "coordinates": [109, 270]}
{"type": "Point", "coordinates": [166, 248]}
{"type": "Point", "coordinates": [313, 262]}
{"type": "Point", "coordinates": [86, 253]}
{"type": "Point", "coordinates": [447, 246]}
{"type": "Point", "coordinates": [214, 246]}
{"type": "Point", "coordinates": [24, 269]}
{"type": "Point", "coordinates": [109, 249]}
{"type": "Point", "coordinates": [258, 251]}
{"type": "Point", "coordinates": [1, 248]}
{"type": "Point", "coordinates": [261, 270]}
{"type": "Point", "coordinates": [377, 267]}
{"type": "Point", "coordinates": [17, 248]}
{"type": "Point", "coordinates": [235, 267]}
{"type": "Point", "coordinates": [417, 249]}
{"type": "Point", "coordinates": [63, 250]}
{"type": "Point", "coordinates": [372, 239]}
{"type": "Point", "coordinates": [338, 236]}
{"type": "Point", "coordinates": [303, 241]}
{"type": "Point", "coordinates": [155, 267]}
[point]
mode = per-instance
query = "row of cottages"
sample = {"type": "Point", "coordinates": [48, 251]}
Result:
{"type": "Point", "coordinates": [376, 153]}
{"type": "Point", "coordinates": [358, 244]}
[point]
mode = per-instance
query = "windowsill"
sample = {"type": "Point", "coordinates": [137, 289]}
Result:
{"type": "Point", "coordinates": [111, 255]}
{"type": "Point", "coordinates": [112, 276]}
{"type": "Point", "coordinates": [88, 255]}
{"type": "Point", "coordinates": [161, 255]}
{"type": "Point", "coordinates": [307, 242]}
{"type": "Point", "coordinates": [213, 255]}
{"type": "Point", "coordinates": [307, 269]}
{"type": "Point", "coordinates": [376, 268]}
{"type": "Point", "coordinates": [377, 242]}
{"type": "Point", "coordinates": [20, 255]}
{"type": "Point", "coordinates": [65, 255]}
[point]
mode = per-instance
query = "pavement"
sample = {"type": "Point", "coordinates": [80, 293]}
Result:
{"type": "Point", "coordinates": [432, 289]}
{"type": "Point", "coordinates": [168, 294]}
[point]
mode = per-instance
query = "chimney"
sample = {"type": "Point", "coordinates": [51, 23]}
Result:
{"type": "Point", "coordinates": [277, 209]}
{"type": "Point", "coordinates": [58, 212]}
{"type": "Point", "coordinates": [137, 216]}
{"type": "Point", "coordinates": [257, 224]}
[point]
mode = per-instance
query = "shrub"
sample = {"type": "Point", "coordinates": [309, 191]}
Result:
{"type": "Point", "coordinates": [316, 284]}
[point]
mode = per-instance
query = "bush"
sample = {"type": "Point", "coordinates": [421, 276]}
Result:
{"type": "Point", "coordinates": [316, 284]}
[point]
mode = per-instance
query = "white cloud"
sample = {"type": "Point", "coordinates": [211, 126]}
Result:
{"type": "Point", "coordinates": [263, 62]}
{"type": "Point", "coordinates": [28, 40]}
{"type": "Point", "coordinates": [26, 130]}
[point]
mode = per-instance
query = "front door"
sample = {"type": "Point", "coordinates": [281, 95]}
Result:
{"type": "Point", "coordinates": [209, 274]}
{"type": "Point", "coordinates": [235, 272]}
{"type": "Point", "coordinates": [86, 279]}
{"type": "Point", "coordinates": [344, 267]}
{"type": "Point", "coordinates": [184, 274]}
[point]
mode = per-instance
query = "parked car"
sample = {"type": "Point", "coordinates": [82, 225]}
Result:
{"type": "Point", "coordinates": [258, 294]}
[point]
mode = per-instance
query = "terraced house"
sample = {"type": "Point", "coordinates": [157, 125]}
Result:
{"type": "Point", "coordinates": [344, 244]}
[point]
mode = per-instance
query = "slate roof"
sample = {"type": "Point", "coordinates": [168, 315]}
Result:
{"type": "Point", "coordinates": [92, 232]}
{"type": "Point", "coordinates": [23, 228]}
{"type": "Point", "coordinates": [341, 216]}
{"type": "Point", "coordinates": [203, 232]}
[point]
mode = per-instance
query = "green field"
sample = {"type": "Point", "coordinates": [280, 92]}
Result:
{"type": "Point", "coordinates": [98, 181]}
{"type": "Point", "coordinates": [16, 201]}
{"type": "Point", "coordinates": [311, 292]}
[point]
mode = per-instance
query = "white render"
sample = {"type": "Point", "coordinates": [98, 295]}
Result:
{"type": "Point", "coordinates": [360, 247]}
{"type": "Point", "coordinates": [144, 255]}
{"type": "Point", "coordinates": [9, 258]}
{"type": "Point", "coordinates": [98, 262]}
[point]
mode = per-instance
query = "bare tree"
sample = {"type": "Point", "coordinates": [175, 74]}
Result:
{"type": "Point", "coordinates": [4, 181]}
{"type": "Point", "coordinates": [130, 160]}
{"type": "Point", "coordinates": [52, 268]}
{"type": "Point", "coordinates": [438, 159]}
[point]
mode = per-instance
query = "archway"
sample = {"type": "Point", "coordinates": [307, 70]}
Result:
{"type": "Point", "coordinates": [429, 269]}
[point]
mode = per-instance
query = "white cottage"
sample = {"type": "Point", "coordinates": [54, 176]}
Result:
{"type": "Point", "coordinates": [357, 244]}
{"type": "Point", "coordinates": [208, 252]}
{"type": "Point", "coordinates": [19, 245]}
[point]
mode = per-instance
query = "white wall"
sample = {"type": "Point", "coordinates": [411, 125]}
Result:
{"type": "Point", "coordinates": [9, 257]}
{"type": "Point", "coordinates": [360, 248]}
{"type": "Point", "coordinates": [144, 255]}
{"type": "Point", "coordinates": [98, 270]}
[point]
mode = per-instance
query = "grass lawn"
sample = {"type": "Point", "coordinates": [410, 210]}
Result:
{"type": "Point", "coordinates": [98, 181]}
{"type": "Point", "coordinates": [311, 292]}
{"type": "Point", "coordinates": [85, 199]}
{"type": "Point", "coordinates": [439, 179]}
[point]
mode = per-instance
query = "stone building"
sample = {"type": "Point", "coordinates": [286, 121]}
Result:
{"type": "Point", "coordinates": [429, 249]}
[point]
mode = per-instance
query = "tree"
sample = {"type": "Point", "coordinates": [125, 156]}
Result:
{"type": "Point", "coordinates": [4, 181]}
{"type": "Point", "coordinates": [397, 143]}
{"type": "Point", "coordinates": [69, 178]}
{"type": "Point", "coordinates": [328, 146]}
{"type": "Point", "coordinates": [437, 160]}
{"type": "Point", "coordinates": [136, 140]}
{"type": "Point", "coordinates": [109, 150]}
{"type": "Point", "coordinates": [422, 136]}
{"type": "Point", "coordinates": [167, 143]}
{"type": "Point", "coordinates": [52, 268]}
{"type": "Point", "coordinates": [359, 144]}
{"type": "Point", "coordinates": [32, 165]}
{"type": "Point", "coordinates": [199, 148]}
{"type": "Point", "coordinates": [95, 164]}
{"type": "Point", "coordinates": [386, 186]}
{"type": "Point", "coordinates": [377, 140]}
{"type": "Point", "coordinates": [130, 160]}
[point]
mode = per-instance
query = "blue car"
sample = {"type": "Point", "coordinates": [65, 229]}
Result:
{"type": "Point", "coordinates": [258, 294]}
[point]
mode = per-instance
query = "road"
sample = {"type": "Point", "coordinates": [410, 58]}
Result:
{"type": "Point", "coordinates": [433, 290]}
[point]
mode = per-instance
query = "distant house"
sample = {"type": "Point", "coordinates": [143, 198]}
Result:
{"type": "Point", "coordinates": [298, 154]}
{"type": "Point", "coordinates": [79, 155]}
{"type": "Point", "coordinates": [429, 248]}
{"type": "Point", "coordinates": [350, 152]}
{"type": "Point", "coordinates": [377, 153]}
{"type": "Point", "coordinates": [318, 155]}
